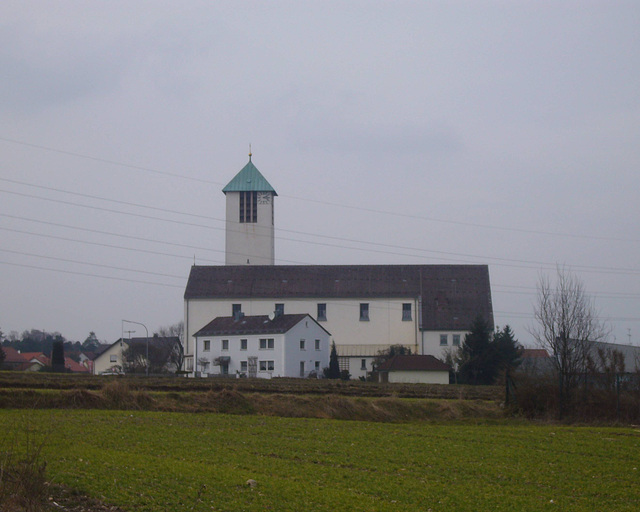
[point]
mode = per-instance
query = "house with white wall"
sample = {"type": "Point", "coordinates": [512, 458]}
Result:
{"type": "Point", "coordinates": [366, 308]}
{"type": "Point", "coordinates": [262, 346]}
{"type": "Point", "coordinates": [110, 361]}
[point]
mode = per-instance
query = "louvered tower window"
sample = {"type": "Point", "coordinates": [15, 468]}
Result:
{"type": "Point", "coordinates": [248, 207]}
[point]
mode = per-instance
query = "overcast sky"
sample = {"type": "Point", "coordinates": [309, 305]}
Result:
{"type": "Point", "coordinates": [504, 133]}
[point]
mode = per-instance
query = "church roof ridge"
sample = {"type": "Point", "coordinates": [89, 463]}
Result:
{"type": "Point", "coordinates": [249, 179]}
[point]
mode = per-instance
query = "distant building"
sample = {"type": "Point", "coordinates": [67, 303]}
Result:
{"type": "Point", "coordinates": [110, 361]}
{"type": "Point", "coordinates": [262, 346]}
{"type": "Point", "coordinates": [366, 308]}
{"type": "Point", "coordinates": [414, 369]}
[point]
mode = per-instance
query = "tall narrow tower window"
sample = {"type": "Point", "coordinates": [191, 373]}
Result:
{"type": "Point", "coordinates": [248, 207]}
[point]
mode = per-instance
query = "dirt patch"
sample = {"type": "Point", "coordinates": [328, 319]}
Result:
{"type": "Point", "coordinates": [63, 498]}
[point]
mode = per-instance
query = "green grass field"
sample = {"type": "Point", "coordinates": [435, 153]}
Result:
{"type": "Point", "coordinates": [175, 461]}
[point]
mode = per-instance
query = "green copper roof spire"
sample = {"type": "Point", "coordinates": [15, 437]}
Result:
{"type": "Point", "coordinates": [249, 179]}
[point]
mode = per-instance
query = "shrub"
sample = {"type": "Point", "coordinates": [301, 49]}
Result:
{"type": "Point", "coordinates": [23, 484]}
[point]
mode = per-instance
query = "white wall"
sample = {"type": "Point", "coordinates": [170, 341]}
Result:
{"type": "Point", "coordinates": [103, 362]}
{"type": "Point", "coordinates": [419, 377]}
{"type": "Point", "coordinates": [286, 353]}
{"type": "Point", "coordinates": [248, 240]}
{"type": "Point", "coordinates": [385, 326]}
{"type": "Point", "coordinates": [308, 330]}
{"type": "Point", "coordinates": [430, 342]}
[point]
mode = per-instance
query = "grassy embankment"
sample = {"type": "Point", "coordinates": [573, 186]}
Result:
{"type": "Point", "coordinates": [277, 397]}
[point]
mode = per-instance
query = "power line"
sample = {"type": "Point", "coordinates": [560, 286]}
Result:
{"type": "Point", "coordinates": [327, 203]}
{"type": "Point", "coordinates": [509, 262]}
{"type": "Point", "coordinates": [78, 262]}
{"type": "Point", "coordinates": [89, 275]}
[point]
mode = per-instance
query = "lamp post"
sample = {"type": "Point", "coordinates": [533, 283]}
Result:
{"type": "Point", "coordinates": [147, 331]}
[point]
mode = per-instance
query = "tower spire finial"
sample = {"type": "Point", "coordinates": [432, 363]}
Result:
{"type": "Point", "coordinates": [249, 151]}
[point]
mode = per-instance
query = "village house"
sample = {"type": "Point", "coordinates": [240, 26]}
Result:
{"type": "Point", "coordinates": [366, 308]}
{"type": "Point", "coordinates": [262, 346]}
{"type": "Point", "coordinates": [112, 360]}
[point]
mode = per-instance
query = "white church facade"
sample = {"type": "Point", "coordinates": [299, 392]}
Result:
{"type": "Point", "coordinates": [366, 308]}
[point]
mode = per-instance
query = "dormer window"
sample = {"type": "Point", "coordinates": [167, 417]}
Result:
{"type": "Point", "coordinates": [248, 207]}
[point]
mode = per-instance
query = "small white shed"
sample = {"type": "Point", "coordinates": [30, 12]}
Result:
{"type": "Point", "coordinates": [423, 369]}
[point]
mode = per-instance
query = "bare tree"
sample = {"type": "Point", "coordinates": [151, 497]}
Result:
{"type": "Point", "coordinates": [165, 355]}
{"type": "Point", "coordinates": [175, 350]}
{"type": "Point", "coordinates": [566, 325]}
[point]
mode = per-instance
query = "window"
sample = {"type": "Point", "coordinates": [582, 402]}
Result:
{"type": "Point", "coordinates": [317, 344]}
{"type": "Point", "coordinates": [301, 368]}
{"type": "Point", "coordinates": [206, 345]}
{"type": "Point", "coordinates": [406, 311]}
{"type": "Point", "coordinates": [444, 339]}
{"type": "Point", "coordinates": [113, 358]}
{"type": "Point", "coordinates": [243, 366]}
{"type": "Point", "coordinates": [302, 344]}
{"type": "Point", "coordinates": [322, 312]}
{"type": "Point", "coordinates": [279, 309]}
{"type": "Point", "coordinates": [456, 340]}
{"type": "Point", "coordinates": [266, 366]}
{"type": "Point", "coordinates": [363, 364]}
{"type": "Point", "coordinates": [266, 343]}
{"type": "Point", "coordinates": [243, 344]}
{"type": "Point", "coordinates": [317, 366]}
{"type": "Point", "coordinates": [236, 309]}
{"type": "Point", "coordinates": [225, 344]}
{"type": "Point", "coordinates": [248, 207]}
{"type": "Point", "coordinates": [364, 312]}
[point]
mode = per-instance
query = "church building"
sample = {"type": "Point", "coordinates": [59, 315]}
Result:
{"type": "Point", "coordinates": [365, 308]}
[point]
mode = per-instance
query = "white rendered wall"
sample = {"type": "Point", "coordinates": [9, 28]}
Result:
{"type": "Point", "coordinates": [385, 326]}
{"type": "Point", "coordinates": [419, 377]}
{"type": "Point", "coordinates": [430, 342]}
{"type": "Point", "coordinates": [249, 243]}
{"type": "Point", "coordinates": [308, 330]}
{"type": "Point", "coordinates": [103, 362]}
{"type": "Point", "coordinates": [286, 353]}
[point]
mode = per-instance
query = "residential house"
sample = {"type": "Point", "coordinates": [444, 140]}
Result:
{"type": "Point", "coordinates": [110, 360]}
{"type": "Point", "coordinates": [14, 360]}
{"type": "Point", "coordinates": [279, 345]}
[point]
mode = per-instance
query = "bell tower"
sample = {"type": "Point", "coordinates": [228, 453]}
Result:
{"type": "Point", "coordinates": [249, 238]}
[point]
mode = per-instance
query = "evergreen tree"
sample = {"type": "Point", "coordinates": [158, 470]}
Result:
{"type": "Point", "coordinates": [508, 350]}
{"type": "Point", "coordinates": [57, 355]}
{"type": "Point", "coordinates": [333, 371]}
{"type": "Point", "coordinates": [478, 358]}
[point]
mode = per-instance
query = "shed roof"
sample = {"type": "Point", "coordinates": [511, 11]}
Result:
{"type": "Point", "coordinates": [249, 179]}
{"type": "Point", "coordinates": [413, 363]}
{"type": "Point", "coordinates": [257, 324]}
{"type": "Point", "coordinates": [451, 296]}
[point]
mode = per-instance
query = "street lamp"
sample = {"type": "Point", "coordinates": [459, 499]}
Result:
{"type": "Point", "coordinates": [147, 331]}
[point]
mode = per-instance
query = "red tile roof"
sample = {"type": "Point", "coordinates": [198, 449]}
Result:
{"type": "Point", "coordinates": [535, 352]}
{"type": "Point", "coordinates": [11, 355]}
{"type": "Point", "coordinates": [72, 366]}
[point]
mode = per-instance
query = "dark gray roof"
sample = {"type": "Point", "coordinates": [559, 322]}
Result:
{"type": "Point", "coordinates": [413, 363]}
{"type": "Point", "coordinates": [258, 324]}
{"type": "Point", "coordinates": [452, 295]}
